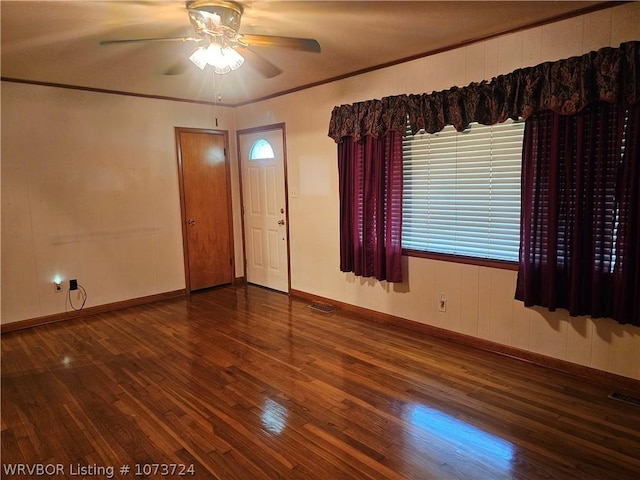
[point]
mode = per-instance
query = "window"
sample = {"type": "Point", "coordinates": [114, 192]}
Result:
{"type": "Point", "coordinates": [462, 191]}
{"type": "Point", "coordinates": [261, 150]}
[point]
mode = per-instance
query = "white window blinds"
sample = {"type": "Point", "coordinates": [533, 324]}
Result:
{"type": "Point", "coordinates": [462, 191]}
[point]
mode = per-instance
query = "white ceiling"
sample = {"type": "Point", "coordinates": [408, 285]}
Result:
{"type": "Point", "coordinates": [57, 42]}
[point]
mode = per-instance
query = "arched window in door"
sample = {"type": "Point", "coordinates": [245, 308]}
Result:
{"type": "Point", "coordinates": [261, 150]}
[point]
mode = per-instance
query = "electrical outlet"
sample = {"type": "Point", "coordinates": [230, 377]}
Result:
{"type": "Point", "coordinates": [442, 303]}
{"type": "Point", "coordinates": [57, 286]}
{"type": "Point", "coordinates": [73, 284]}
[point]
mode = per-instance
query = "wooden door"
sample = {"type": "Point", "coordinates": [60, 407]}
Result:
{"type": "Point", "coordinates": [265, 208]}
{"type": "Point", "coordinates": [206, 208]}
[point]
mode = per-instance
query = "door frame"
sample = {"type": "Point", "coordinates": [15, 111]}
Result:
{"type": "Point", "coordinates": [183, 213]}
{"type": "Point", "coordinates": [266, 128]}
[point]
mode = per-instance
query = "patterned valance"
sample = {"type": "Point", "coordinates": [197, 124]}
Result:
{"type": "Point", "coordinates": [565, 86]}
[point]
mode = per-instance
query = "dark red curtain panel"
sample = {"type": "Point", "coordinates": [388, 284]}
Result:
{"type": "Point", "coordinates": [370, 182]}
{"type": "Point", "coordinates": [579, 220]}
{"type": "Point", "coordinates": [626, 308]}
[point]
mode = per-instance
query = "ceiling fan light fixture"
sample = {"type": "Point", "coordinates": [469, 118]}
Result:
{"type": "Point", "coordinates": [199, 57]}
{"type": "Point", "coordinates": [223, 59]}
{"type": "Point", "coordinates": [233, 58]}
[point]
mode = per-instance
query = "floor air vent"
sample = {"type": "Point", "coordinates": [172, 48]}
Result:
{"type": "Point", "coordinates": [321, 307]}
{"type": "Point", "coordinates": [625, 398]}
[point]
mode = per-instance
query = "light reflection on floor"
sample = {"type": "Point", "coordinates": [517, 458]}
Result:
{"type": "Point", "coordinates": [466, 439]}
{"type": "Point", "coordinates": [274, 416]}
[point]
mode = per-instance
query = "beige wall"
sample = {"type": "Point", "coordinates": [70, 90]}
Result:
{"type": "Point", "coordinates": [480, 300]}
{"type": "Point", "coordinates": [90, 191]}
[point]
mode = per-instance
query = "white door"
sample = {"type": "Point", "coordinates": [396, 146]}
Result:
{"type": "Point", "coordinates": [265, 208]}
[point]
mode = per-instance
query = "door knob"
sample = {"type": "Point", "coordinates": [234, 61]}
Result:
{"type": "Point", "coordinates": [280, 222]}
{"type": "Point", "coordinates": [191, 222]}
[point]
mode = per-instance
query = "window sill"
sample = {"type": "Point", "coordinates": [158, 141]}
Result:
{"type": "Point", "coordinates": [481, 262]}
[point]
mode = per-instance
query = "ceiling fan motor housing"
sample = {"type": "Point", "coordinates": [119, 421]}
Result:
{"type": "Point", "coordinates": [215, 18]}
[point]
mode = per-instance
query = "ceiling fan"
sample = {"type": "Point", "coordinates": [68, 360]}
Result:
{"type": "Point", "coordinates": [220, 45]}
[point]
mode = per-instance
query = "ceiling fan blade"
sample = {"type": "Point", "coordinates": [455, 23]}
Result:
{"type": "Point", "coordinates": [159, 39]}
{"type": "Point", "coordinates": [261, 64]}
{"type": "Point", "coordinates": [177, 68]}
{"type": "Point", "coordinates": [303, 44]}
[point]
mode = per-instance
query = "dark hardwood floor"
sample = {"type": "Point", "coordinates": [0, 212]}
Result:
{"type": "Point", "coordinates": [244, 383]}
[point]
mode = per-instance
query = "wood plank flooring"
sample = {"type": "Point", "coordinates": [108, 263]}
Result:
{"type": "Point", "coordinates": [243, 383]}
